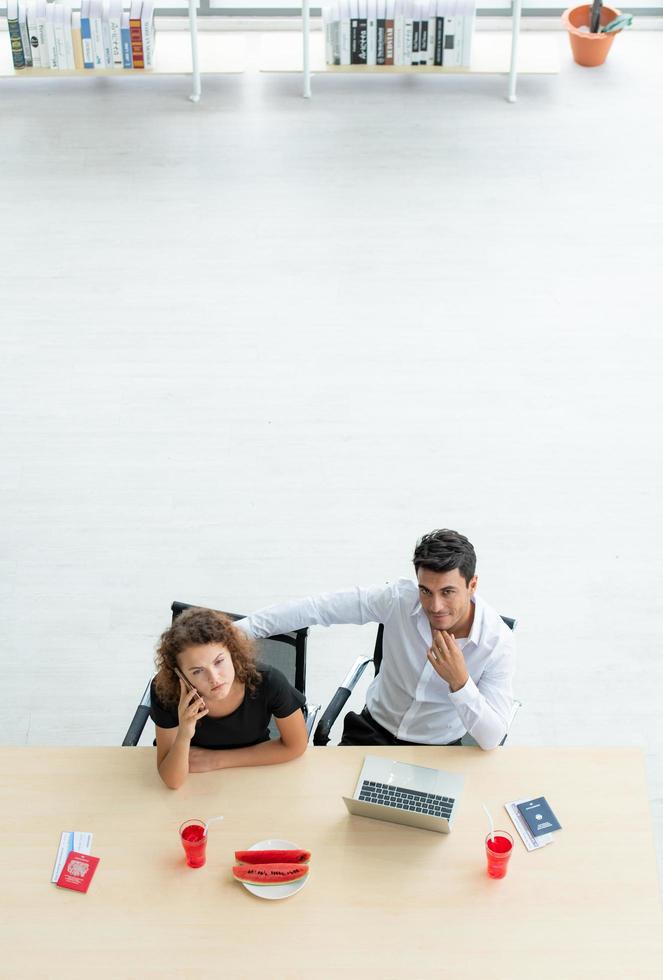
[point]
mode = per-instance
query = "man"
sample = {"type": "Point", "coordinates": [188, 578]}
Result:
{"type": "Point", "coordinates": [448, 659]}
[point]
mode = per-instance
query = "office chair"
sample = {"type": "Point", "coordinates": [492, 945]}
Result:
{"type": "Point", "coordinates": [286, 652]}
{"type": "Point", "coordinates": [333, 709]}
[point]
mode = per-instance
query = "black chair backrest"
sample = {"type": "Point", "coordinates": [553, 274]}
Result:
{"type": "Point", "coordinates": [377, 652]}
{"type": "Point", "coordinates": [286, 652]}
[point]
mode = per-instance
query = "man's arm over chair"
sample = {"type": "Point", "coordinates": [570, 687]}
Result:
{"type": "Point", "coordinates": [355, 605]}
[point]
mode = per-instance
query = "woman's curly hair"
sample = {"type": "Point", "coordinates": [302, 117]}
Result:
{"type": "Point", "coordinates": [196, 627]}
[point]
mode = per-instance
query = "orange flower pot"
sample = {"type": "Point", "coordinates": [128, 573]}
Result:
{"type": "Point", "coordinates": [589, 50]}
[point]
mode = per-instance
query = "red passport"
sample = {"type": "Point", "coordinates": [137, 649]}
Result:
{"type": "Point", "coordinates": [78, 871]}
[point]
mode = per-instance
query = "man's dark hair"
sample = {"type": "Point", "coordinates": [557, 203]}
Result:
{"type": "Point", "coordinates": [444, 550]}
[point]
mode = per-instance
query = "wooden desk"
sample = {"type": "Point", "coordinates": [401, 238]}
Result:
{"type": "Point", "coordinates": [382, 900]}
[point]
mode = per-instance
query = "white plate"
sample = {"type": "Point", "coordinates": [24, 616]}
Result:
{"type": "Point", "coordinates": [275, 891]}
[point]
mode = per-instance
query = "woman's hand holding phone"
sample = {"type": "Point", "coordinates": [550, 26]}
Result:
{"type": "Point", "coordinates": [190, 709]}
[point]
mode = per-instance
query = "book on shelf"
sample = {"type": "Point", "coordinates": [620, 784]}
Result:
{"type": "Point", "coordinates": [147, 32]}
{"type": "Point", "coordinates": [412, 33]}
{"type": "Point", "coordinates": [58, 34]}
{"type": "Point", "coordinates": [389, 33]}
{"type": "Point", "coordinates": [61, 34]}
{"type": "Point", "coordinates": [34, 34]}
{"type": "Point", "coordinates": [381, 31]}
{"type": "Point", "coordinates": [86, 36]}
{"type": "Point", "coordinates": [371, 32]}
{"type": "Point", "coordinates": [408, 31]}
{"type": "Point", "coordinates": [18, 57]}
{"type": "Point", "coordinates": [358, 32]}
{"type": "Point", "coordinates": [42, 28]}
{"type": "Point", "coordinates": [77, 39]}
{"type": "Point", "coordinates": [97, 33]}
{"type": "Point", "coordinates": [68, 36]}
{"type": "Point", "coordinates": [126, 41]}
{"type": "Point", "coordinates": [399, 31]}
{"type": "Point", "coordinates": [51, 55]}
{"type": "Point", "coordinates": [344, 31]}
{"type": "Point", "coordinates": [115, 32]}
{"type": "Point", "coordinates": [25, 36]}
{"type": "Point", "coordinates": [106, 35]}
{"type": "Point", "coordinates": [137, 57]}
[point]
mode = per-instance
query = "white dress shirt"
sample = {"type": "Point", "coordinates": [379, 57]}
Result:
{"type": "Point", "coordinates": [408, 697]}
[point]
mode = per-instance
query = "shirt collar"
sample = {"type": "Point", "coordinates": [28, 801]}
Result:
{"type": "Point", "coordinates": [477, 622]}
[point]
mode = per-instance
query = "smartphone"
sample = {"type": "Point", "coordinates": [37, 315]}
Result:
{"type": "Point", "coordinates": [188, 686]}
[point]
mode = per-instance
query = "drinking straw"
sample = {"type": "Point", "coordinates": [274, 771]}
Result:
{"type": "Point", "coordinates": [213, 820]}
{"type": "Point", "coordinates": [490, 821]}
{"type": "Point", "coordinates": [595, 16]}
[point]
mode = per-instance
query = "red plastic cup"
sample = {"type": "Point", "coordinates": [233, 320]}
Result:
{"type": "Point", "coordinates": [498, 852]}
{"type": "Point", "coordinates": [194, 842]}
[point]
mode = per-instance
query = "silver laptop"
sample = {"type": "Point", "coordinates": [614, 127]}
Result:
{"type": "Point", "coordinates": [400, 792]}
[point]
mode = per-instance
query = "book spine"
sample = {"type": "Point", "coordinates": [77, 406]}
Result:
{"type": "Point", "coordinates": [399, 39]}
{"type": "Point", "coordinates": [137, 58]}
{"type": "Point", "coordinates": [362, 34]}
{"type": "Point", "coordinates": [326, 23]}
{"type": "Point", "coordinates": [371, 37]}
{"type": "Point", "coordinates": [336, 42]}
{"type": "Point", "coordinates": [439, 38]}
{"type": "Point", "coordinates": [50, 36]}
{"type": "Point", "coordinates": [458, 41]}
{"type": "Point", "coordinates": [68, 36]}
{"type": "Point", "coordinates": [346, 48]}
{"type": "Point", "coordinates": [354, 41]}
{"type": "Point", "coordinates": [147, 33]}
{"type": "Point", "coordinates": [115, 31]}
{"type": "Point", "coordinates": [430, 53]}
{"type": "Point", "coordinates": [25, 36]}
{"type": "Point", "coordinates": [407, 41]}
{"type": "Point", "coordinates": [86, 40]}
{"type": "Point", "coordinates": [126, 42]}
{"type": "Point", "coordinates": [388, 42]}
{"type": "Point", "coordinates": [449, 31]}
{"type": "Point", "coordinates": [58, 31]}
{"type": "Point", "coordinates": [106, 36]}
{"type": "Point", "coordinates": [18, 57]}
{"type": "Point", "coordinates": [77, 40]}
{"type": "Point", "coordinates": [43, 43]}
{"type": "Point", "coordinates": [380, 53]}
{"type": "Point", "coordinates": [423, 42]}
{"type": "Point", "coordinates": [33, 36]}
{"type": "Point", "coordinates": [97, 41]}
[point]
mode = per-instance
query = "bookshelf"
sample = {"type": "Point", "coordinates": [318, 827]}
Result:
{"type": "Point", "coordinates": [176, 53]}
{"type": "Point", "coordinates": [492, 54]}
{"type": "Point", "coordinates": [490, 59]}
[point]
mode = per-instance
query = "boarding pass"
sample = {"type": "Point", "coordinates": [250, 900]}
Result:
{"type": "Point", "coordinates": [71, 840]}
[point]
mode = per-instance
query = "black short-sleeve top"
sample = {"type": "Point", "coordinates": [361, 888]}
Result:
{"type": "Point", "coordinates": [246, 725]}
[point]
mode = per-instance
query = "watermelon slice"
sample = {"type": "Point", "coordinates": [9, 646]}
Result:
{"type": "Point", "coordinates": [269, 874]}
{"type": "Point", "coordinates": [272, 857]}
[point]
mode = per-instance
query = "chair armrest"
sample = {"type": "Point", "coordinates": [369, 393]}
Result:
{"type": "Point", "coordinates": [140, 717]}
{"type": "Point", "coordinates": [515, 708]}
{"type": "Point", "coordinates": [333, 709]}
{"type": "Point", "coordinates": [137, 725]}
{"type": "Point", "coordinates": [311, 714]}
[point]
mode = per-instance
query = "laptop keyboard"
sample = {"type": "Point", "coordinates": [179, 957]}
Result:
{"type": "Point", "coordinates": [406, 799]}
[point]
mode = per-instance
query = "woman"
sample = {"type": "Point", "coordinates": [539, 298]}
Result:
{"type": "Point", "coordinates": [212, 704]}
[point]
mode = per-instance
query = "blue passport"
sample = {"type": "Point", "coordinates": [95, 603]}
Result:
{"type": "Point", "coordinates": [539, 817]}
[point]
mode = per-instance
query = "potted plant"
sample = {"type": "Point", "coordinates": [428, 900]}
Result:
{"type": "Point", "coordinates": [592, 28]}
